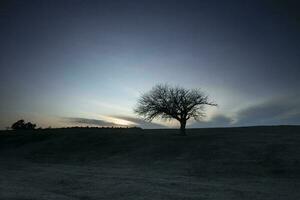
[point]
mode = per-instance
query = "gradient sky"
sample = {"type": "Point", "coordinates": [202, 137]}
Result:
{"type": "Point", "coordinates": [83, 62]}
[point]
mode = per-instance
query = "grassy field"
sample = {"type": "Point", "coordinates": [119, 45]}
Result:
{"type": "Point", "coordinates": [85, 164]}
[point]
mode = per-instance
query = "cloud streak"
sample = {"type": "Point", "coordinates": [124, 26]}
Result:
{"type": "Point", "coordinates": [216, 121]}
{"type": "Point", "coordinates": [141, 123]}
{"type": "Point", "coordinates": [273, 112]}
{"type": "Point", "coordinates": [78, 121]}
{"type": "Point", "coordinates": [87, 122]}
{"type": "Point", "coordinates": [277, 111]}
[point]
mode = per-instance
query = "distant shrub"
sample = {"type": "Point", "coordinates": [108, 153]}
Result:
{"type": "Point", "coordinates": [21, 125]}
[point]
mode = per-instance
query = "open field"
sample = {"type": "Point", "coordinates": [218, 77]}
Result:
{"type": "Point", "coordinates": [225, 163]}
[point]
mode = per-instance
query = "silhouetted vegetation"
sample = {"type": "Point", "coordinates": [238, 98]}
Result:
{"type": "Point", "coordinates": [21, 125]}
{"type": "Point", "coordinates": [173, 103]}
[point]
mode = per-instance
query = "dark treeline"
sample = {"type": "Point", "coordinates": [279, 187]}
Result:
{"type": "Point", "coordinates": [21, 125]}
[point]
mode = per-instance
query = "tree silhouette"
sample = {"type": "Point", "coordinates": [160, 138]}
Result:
{"type": "Point", "coordinates": [21, 125]}
{"type": "Point", "coordinates": [169, 102]}
{"type": "Point", "coordinates": [18, 125]}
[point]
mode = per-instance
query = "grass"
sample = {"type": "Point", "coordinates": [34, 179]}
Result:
{"type": "Point", "coordinates": [216, 163]}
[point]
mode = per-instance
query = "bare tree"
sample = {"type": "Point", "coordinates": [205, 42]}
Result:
{"type": "Point", "coordinates": [167, 102]}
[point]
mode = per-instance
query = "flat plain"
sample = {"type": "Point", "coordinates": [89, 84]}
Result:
{"type": "Point", "coordinates": [215, 163]}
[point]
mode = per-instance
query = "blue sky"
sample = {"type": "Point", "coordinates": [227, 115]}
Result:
{"type": "Point", "coordinates": [68, 60]}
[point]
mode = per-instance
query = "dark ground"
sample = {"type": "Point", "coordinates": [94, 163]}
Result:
{"type": "Point", "coordinates": [225, 163]}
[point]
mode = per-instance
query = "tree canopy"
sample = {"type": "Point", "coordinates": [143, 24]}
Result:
{"type": "Point", "coordinates": [166, 102]}
{"type": "Point", "coordinates": [21, 125]}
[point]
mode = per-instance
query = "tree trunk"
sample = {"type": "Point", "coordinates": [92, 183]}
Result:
{"type": "Point", "coordinates": [182, 127]}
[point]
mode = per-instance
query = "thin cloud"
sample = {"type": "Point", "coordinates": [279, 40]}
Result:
{"type": "Point", "coordinates": [273, 112]}
{"type": "Point", "coordinates": [86, 121]}
{"type": "Point", "coordinates": [78, 121]}
{"type": "Point", "coordinates": [278, 111]}
{"type": "Point", "coordinates": [216, 121]}
{"type": "Point", "coordinates": [141, 123]}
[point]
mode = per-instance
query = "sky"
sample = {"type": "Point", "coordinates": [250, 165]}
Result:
{"type": "Point", "coordinates": [85, 62]}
